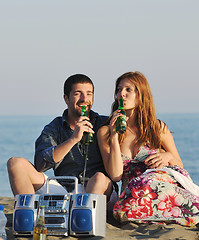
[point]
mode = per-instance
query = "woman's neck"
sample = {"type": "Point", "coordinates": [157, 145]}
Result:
{"type": "Point", "coordinates": [131, 118]}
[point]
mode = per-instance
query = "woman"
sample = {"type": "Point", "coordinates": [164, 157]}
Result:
{"type": "Point", "coordinates": [155, 187]}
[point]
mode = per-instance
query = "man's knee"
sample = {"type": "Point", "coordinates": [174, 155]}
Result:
{"type": "Point", "coordinates": [16, 162]}
{"type": "Point", "coordinates": [99, 183]}
{"type": "Point", "coordinates": [99, 177]}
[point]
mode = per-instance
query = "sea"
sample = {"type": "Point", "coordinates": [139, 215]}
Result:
{"type": "Point", "coordinates": [18, 135]}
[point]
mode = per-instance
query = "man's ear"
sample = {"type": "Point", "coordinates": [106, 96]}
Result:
{"type": "Point", "coordinates": [66, 99]}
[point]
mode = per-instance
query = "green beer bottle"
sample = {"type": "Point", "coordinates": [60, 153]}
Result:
{"type": "Point", "coordinates": [87, 137]}
{"type": "Point", "coordinates": [121, 120]}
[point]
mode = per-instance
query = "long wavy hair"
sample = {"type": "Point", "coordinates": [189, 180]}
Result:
{"type": "Point", "coordinates": [146, 121]}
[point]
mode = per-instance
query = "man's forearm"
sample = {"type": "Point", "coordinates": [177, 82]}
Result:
{"type": "Point", "coordinates": [62, 149]}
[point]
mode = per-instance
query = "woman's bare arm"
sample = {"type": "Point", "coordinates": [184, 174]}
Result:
{"type": "Point", "coordinates": [110, 151]}
{"type": "Point", "coordinates": [170, 156]}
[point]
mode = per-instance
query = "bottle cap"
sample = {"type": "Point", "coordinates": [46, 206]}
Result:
{"type": "Point", "coordinates": [1, 207]}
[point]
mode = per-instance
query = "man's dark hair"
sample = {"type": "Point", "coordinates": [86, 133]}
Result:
{"type": "Point", "coordinates": [77, 78]}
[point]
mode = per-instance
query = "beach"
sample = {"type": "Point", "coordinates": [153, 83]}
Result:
{"type": "Point", "coordinates": [114, 230]}
{"type": "Point", "coordinates": [19, 133]}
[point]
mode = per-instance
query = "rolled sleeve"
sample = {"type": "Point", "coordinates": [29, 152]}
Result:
{"type": "Point", "coordinates": [44, 159]}
{"type": "Point", "coordinates": [45, 145]}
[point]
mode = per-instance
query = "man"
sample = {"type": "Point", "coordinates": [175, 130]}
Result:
{"type": "Point", "coordinates": [60, 147]}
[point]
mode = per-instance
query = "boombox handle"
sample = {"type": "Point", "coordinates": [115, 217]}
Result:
{"type": "Point", "coordinates": [62, 177]}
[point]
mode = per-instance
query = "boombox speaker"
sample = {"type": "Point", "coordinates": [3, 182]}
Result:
{"type": "Point", "coordinates": [88, 215]}
{"type": "Point", "coordinates": [25, 213]}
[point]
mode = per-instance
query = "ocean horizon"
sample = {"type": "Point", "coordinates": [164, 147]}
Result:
{"type": "Point", "coordinates": [18, 135]}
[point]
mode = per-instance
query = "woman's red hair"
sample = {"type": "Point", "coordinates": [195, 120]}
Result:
{"type": "Point", "coordinates": [146, 120]}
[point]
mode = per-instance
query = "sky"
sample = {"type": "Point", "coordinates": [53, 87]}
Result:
{"type": "Point", "coordinates": [44, 42]}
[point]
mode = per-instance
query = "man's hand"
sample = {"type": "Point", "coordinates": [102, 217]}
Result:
{"type": "Point", "coordinates": [158, 160]}
{"type": "Point", "coordinates": [82, 125]}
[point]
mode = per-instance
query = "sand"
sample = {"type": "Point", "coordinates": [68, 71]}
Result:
{"type": "Point", "coordinates": [116, 231]}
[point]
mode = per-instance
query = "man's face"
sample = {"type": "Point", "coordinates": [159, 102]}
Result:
{"type": "Point", "coordinates": [81, 94]}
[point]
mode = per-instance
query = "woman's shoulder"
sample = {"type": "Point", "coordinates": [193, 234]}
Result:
{"type": "Point", "coordinates": [162, 126]}
{"type": "Point", "coordinates": [102, 131]}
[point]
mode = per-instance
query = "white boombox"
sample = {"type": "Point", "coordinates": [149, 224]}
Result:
{"type": "Point", "coordinates": [87, 215]}
{"type": "Point", "coordinates": [77, 214]}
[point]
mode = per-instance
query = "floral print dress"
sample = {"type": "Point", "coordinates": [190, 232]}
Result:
{"type": "Point", "coordinates": [155, 195]}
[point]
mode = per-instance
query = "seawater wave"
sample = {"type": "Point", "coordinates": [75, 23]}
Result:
{"type": "Point", "coordinates": [18, 135]}
{"type": "Point", "coordinates": [186, 137]}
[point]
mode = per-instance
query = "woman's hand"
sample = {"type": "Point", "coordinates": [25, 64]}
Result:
{"type": "Point", "coordinates": [158, 160]}
{"type": "Point", "coordinates": [112, 124]}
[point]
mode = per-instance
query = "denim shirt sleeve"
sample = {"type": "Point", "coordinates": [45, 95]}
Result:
{"type": "Point", "coordinates": [44, 147]}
